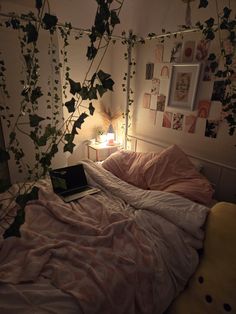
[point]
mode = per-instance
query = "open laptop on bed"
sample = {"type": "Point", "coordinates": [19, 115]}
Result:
{"type": "Point", "coordinates": [70, 183]}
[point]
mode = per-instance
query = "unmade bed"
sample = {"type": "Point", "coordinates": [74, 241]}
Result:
{"type": "Point", "coordinates": [122, 250]}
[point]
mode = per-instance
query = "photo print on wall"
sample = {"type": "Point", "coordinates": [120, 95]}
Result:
{"type": "Point", "coordinates": [165, 72]}
{"type": "Point", "coordinates": [161, 100]}
{"type": "Point", "coordinates": [182, 86]}
{"type": "Point", "coordinates": [155, 86]}
{"type": "Point", "coordinates": [159, 53]}
{"type": "Point", "coordinates": [190, 123]}
{"type": "Point", "coordinates": [146, 100]}
{"type": "Point", "coordinates": [167, 119]}
{"type": "Point", "coordinates": [178, 119]}
{"type": "Point", "coordinates": [202, 50]}
{"type": "Point", "coordinates": [176, 52]}
{"type": "Point", "coordinates": [204, 108]}
{"type": "Point", "coordinates": [149, 71]}
{"type": "Point", "coordinates": [212, 127]}
{"type": "Point", "coordinates": [188, 51]}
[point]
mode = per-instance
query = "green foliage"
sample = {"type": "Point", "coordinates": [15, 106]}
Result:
{"type": "Point", "coordinates": [47, 136]}
{"type": "Point", "coordinates": [21, 200]}
{"type": "Point", "coordinates": [209, 30]}
{"type": "Point", "coordinates": [35, 120]}
{"type": "Point", "coordinates": [49, 21]}
{"type": "Point", "coordinates": [203, 4]}
{"type": "Point", "coordinates": [70, 105]}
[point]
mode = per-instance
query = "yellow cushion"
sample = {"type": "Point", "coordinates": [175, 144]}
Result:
{"type": "Point", "coordinates": [212, 289]}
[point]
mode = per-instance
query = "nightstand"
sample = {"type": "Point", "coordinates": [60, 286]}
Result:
{"type": "Point", "coordinates": [102, 150]}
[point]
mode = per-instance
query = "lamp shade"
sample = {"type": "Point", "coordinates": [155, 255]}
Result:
{"type": "Point", "coordinates": [110, 129]}
{"type": "Point", "coordinates": [110, 135]}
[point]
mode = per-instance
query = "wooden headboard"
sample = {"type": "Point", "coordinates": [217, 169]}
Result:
{"type": "Point", "coordinates": [221, 176]}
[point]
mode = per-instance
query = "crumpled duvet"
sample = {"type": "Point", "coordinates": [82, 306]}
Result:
{"type": "Point", "coordinates": [122, 250]}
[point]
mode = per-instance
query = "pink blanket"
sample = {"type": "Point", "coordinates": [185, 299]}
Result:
{"type": "Point", "coordinates": [123, 250]}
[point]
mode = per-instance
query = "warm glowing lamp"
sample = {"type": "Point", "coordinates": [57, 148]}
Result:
{"type": "Point", "coordinates": [110, 135]}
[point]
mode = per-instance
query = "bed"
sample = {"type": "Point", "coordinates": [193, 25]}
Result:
{"type": "Point", "coordinates": [131, 248]}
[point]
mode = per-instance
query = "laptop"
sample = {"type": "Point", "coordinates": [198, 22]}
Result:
{"type": "Point", "coordinates": [70, 183]}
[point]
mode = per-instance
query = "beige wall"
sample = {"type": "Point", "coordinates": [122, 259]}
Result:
{"type": "Point", "coordinates": [79, 65]}
{"type": "Point", "coordinates": [142, 17]}
{"type": "Point", "coordinates": [149, 123]}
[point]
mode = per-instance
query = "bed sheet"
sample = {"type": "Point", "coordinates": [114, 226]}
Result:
{"type": "Point", "coordinates": [123, 250]}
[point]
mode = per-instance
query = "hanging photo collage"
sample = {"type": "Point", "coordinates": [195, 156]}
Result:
{"type": "Point", "coordinates": [187, 61]}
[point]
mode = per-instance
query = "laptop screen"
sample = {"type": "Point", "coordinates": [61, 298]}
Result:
{"type": "Point", "coordinates": [68, 178]}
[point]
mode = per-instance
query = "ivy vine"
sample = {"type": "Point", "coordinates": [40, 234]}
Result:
{"type": "Point", "coordinates": [46, 130]}
{"type": "Point", "coordinates": [210, 28]}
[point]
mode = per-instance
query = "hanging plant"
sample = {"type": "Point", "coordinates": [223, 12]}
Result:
{"type": "Point", "coordinates": [226, 68]}
{"type": "Point", "coordinates": [48, 131]}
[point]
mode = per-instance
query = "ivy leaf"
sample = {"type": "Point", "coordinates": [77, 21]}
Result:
{"type": "Point", "coordinates": [91, 52]}
{"type": "Point", "coordinates": [103, 75]}
{"type": "Point", "coordinates": [4, 155]}
{"type": "Point", "coordinates": [14, 229]}
{"type": "Point", "coordinates": [80, 120]}
{"type": "Point", "coordinates": [31, 33]}
{"type": "Point", "coordinates": [35, 120]}
{"type": "Point", "coordinates": [101, 89]}
{"type": "Point", "coordinates": [84, 92]}
{"type": "Point", "coordinates": [12, 137]}
{"type": "Point", "coordinates": [229, 59]}
{"type": "Point", "coordinates": [93, 35]}
{"type": "Point", "coordinates": [36, 93]}
{"type": "Point", "coordinates": [69, 137]}
{"type": "Point", "coordinates": [108, 84]}
{"type": "Point", "coordinates": [227, 12]}
{"type": "Point", "coordinates": [99, 24]}
{"type": "Point", "coordinates": [92, 94]}
{"type": "Point", "coordinates": [105, 79]}
{"type": "Point", "coordinates": [210, 34]}
{"type": "Point", "coordinates": [74, 87]}
{"type": "Point", "coordinates": [213, 66]}
{"type": "Point", "coordinates": [24, 198]}
{"type": "Point", "coordinates": [203, 4]}
{"type": "Point", "coordinates": [212, 57]}
{"type": "Point", "coordinates": [39, 4]}
{"type": "Point", "coordinates": [114, 18]}
{"type": "Point", "coordinates": [42, 141]}
{"type": "Point", "coordinates": [69, 147]}
{"type": "Point", "coordinates": [70, 105]}
{"type": "Point", "coordinates": [104, 11]}
{"type": "Point", "coordinates": [49, 21]}
{"type": "Point", "coordinates": [15, 23]}
{"type": "Point", "coordinates": [210, 22]}
{"type": "Point", "coordinates": [91, 109]}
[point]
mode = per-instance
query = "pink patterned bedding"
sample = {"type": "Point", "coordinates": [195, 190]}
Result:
{"type": "Point", "coordinates": [123, 250]}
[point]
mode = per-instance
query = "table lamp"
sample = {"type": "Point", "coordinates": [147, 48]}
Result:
{"type": "Point", "coordinates": [110, 135]}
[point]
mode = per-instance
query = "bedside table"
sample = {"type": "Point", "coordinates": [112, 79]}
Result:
{"type": "Point", "coordinates": [102, 148]}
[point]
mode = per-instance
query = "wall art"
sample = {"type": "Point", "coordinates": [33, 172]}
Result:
{"type": "Point", "coordinates": [183, 85]}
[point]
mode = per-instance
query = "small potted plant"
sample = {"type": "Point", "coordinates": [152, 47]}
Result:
{"type": "Point", "coordinates": [101, 136]}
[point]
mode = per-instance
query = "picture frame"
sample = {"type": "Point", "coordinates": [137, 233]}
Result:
{"type": "Point", "coordinates": [183, 85]}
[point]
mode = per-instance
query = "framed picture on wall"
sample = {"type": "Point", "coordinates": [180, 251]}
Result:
{"type": "Point", "coordinates": [183, 85]}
